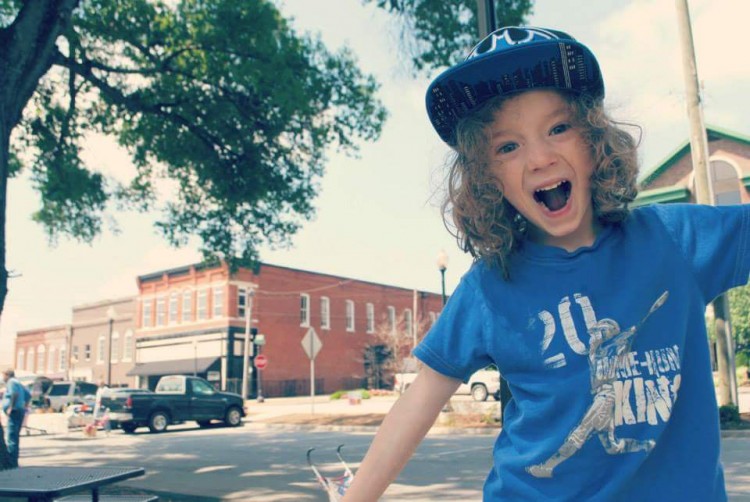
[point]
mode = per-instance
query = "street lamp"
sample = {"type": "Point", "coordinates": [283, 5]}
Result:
{"type": "Point", "coordinates": [246, 346]}
{"type": "Point", "coordinates": [111, 316]}
{"type": "Point", "coordinates": [442, 263]}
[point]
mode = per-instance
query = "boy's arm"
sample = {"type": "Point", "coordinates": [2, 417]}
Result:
{"type": "Point", "coordinates": [400, 433]}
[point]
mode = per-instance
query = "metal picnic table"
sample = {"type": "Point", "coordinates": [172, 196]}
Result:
{"type": "Point", "coordinates": [44, 483]}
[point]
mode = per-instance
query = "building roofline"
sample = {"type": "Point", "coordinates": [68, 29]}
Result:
{"type": "Point", "coordinates": [712, 132]}
{"type": "Point", "coordinates": [661, 195]}
{"type": "Point", "coordinates": [101, 303]}
{"type": "Point", "coordinates": [45, 329]}
{"type": "Point", "coordinates": [186, 268]}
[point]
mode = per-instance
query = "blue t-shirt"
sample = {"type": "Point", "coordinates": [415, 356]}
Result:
{"type": "Point", "coordinates": [14, 387]}
{"type": "Point", "coordinates": [606, 355]}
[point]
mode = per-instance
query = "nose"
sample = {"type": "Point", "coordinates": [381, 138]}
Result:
{"type": "Point", "coordinates": [541, 154]}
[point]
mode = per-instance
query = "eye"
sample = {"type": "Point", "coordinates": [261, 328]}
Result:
{"type": "Point", "coordinates": [559, 129]}
{"type": "Point", "coordinates": [507, 148]}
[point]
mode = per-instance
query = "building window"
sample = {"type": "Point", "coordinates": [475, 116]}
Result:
{"type": "Point", "coordinates": [218, 307]}
{"type": "Point", "coordinates": [115, 346]}
{"type": "Point", "coordinates": [370, 318]}
{"type": "Point", "coordinates": [74, 356]}
{"type": "Point", "coordinates": [202, 309]}
{"type": "Point", "coordinates": [100, 350]}
{"type": "Point", "coordinates": [241, 302]}
{"type": "Point", "coordinates": [146, 311]}
{"type": "Point", "coordinates": [187, 306]}
{"type": "Point", "coordinates": [325, 313]}
{"type": "Point", "coordinates": [30, 359]}
{"type": "Point", "coordinates": [40, 361]}
{"type": "Point", "coordinates": [433, 318]}
{"type": "Point", "coordinates": [51, 360]}
{"type": "Point", "coordinates": [161, 311]}
{"type": "Point", "coordinates": [304, 310]}
{"type": "Point", "coordinates": [63, 358]}
{"type": "Point", "coordinates": [349, 315]}
{"type": "Point", "coordinates": [21, 359]}
{"type": "Point", "coordinates": [127, 346]}
{"type": "Point", "coordinates": [392, 318]}
{"type": "Point", "coordinates": [407, 322]}
{"type": "Point", "coordinates": [174, 299]}
{"type": "Point", "coordinates": [726, 183]}
{"type": "Point", "coordinates": [87, 352]}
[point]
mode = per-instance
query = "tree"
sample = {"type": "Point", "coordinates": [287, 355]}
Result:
{"type": "Point", "coordinates": [437, 33]}
{"type": "Point", "coordinates": [388, 348]}
{"type": "Point", "coordinates": [223, 98]}
{"type": "Point", "coordinates": [739, 307]}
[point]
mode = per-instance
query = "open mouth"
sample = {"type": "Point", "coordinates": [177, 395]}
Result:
{"type": "Point", "coordinates": [555, 196]}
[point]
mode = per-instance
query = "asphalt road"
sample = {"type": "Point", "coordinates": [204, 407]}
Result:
{"type": "Point", "coordinates": [265, 464]}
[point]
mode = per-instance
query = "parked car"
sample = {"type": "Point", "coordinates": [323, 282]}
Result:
{"type": "Point", "coordinates": [178, 399]}
{"type": "Point", "coordinates": [62, 394]}
{"type": "Point", "coordinates": [115, 400]}
{"type": "Point", "coordinates": [481, 384]}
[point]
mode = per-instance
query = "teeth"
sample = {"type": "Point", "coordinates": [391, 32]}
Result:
{"type": "Point", "coordinates": [549, 187]}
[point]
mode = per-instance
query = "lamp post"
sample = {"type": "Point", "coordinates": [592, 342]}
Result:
{"type": "Point", "coordinates": [442, 263]}
{"type": "Point", "coordinates": [111, 316]}
{"type": "Point", "coordinates": [246, 346]}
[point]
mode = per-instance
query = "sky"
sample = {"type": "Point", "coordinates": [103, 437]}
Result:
{"type": "Point", "coordinates": [378, 216]}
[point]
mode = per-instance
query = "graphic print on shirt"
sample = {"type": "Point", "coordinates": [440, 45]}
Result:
{"type": "Point", "coordinates": [608, 353]}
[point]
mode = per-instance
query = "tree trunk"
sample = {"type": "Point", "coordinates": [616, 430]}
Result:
{"type": "Point", "coordinates": [27, 49]}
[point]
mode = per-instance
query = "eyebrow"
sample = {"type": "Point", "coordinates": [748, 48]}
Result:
{"type": "Point", "coordinates": [561, 110]}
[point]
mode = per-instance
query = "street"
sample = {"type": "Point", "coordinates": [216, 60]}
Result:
{"type": "Point", "coordinates": [255, 462]}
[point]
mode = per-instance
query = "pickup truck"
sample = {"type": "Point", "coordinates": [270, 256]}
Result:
{"type": "Point", "coordinates": [481, 384]}
{"type": "Point", "coordinates": [177, 399]}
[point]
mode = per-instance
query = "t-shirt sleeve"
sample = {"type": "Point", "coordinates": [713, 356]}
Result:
{"type": "Point", "coordinates": [455, 346]}
{"type": "Point", "coordinates": [715, 240]}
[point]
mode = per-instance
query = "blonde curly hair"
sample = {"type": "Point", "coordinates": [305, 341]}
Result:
{"type": "Point", "coordinates": [486, 225]}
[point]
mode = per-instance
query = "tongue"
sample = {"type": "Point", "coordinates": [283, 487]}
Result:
{"type": "Point", "coordinates": [554, 199]}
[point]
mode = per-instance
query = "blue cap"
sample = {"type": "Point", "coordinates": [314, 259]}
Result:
{"type": "Point", "coordinates": [508, 60]}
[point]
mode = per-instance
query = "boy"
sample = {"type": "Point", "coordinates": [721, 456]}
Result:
{"type": "Point", "coordinates": [538, 191]}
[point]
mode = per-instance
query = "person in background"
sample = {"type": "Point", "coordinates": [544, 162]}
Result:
{"type": "Point", "coordinates": [15, 402]}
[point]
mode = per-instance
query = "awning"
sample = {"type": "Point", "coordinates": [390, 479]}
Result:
{"type": "Point", "coordinates": [178, 367]}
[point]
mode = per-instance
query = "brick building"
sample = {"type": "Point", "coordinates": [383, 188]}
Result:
{"type": "Point", "coordinates": [192, 320]}
{"type": "Point", "coordinates": [81, 350]}
{"type": "Point", "coordinates": [729, 159]}
{"type": "Point", "coordinates": [43, 351]}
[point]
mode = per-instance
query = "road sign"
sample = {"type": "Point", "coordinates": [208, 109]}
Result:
{"type": "Point", "coordinates": [261, 361]}
{"type": "Point", "coordinates": [311, 343]}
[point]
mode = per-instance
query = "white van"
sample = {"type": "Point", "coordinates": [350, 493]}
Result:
{"type": "Point", "coordinates": [63, 394]}
{"type": "Point", "coordinates": [482, 384]}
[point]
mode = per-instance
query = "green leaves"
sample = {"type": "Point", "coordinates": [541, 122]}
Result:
{"type": "Point", "coordinates": [439, 33]}
{"type": "Point", "coordinates": [739, 307]}
{"type": "Point", "coordinates": [222, 97]}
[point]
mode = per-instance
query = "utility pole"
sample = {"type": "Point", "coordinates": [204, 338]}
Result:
{"type": "Point", "coordinates": [704, 195]}
{"type": "Point", "coordinates": [415, 321]}
{"type": "Point", "coordinates": [486, 17]}
{"type": "Point", "coordinates": [246, 349]}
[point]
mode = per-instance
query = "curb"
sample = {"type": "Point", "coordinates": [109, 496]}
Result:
{"type": "Point", "coordinates": [436, 430]}
{"type": "Point", "coordinates": [739, 433]}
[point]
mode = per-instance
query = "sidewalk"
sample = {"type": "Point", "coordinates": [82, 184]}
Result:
{"type": "Point", "coordinates": [323, 413]}
{"type": "Point", "coordinates": [342, 415]}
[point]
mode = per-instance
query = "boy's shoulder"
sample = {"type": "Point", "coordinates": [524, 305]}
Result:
{"type": "Point", "coordinates": [669, 215]}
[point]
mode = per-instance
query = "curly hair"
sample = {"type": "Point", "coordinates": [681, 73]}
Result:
{"type": "Point", "coordinates": [486, 225]}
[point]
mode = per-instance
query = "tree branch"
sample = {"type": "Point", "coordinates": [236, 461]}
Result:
{"type": "Point", "coordinates": [27, 52]}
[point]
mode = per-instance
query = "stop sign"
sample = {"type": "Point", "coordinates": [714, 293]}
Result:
{"type": "Point", "coordinates": [261, 361]}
